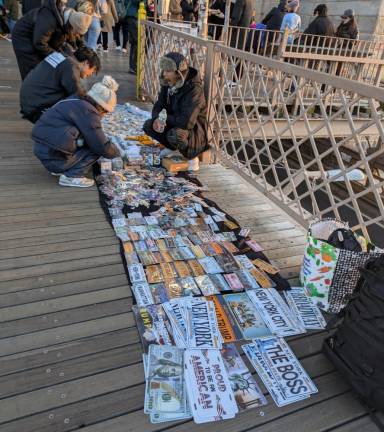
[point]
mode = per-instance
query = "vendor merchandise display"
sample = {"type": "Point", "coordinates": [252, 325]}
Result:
{"type": "Point", "coordinates": [200, 285]}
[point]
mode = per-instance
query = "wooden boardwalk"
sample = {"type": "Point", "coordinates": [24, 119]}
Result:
{"type": "Point", "coordinates": [70, 357]}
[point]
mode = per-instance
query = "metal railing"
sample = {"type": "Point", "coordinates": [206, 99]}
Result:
{"type": "Point", "coordinates": [311, 157]}
{"type": "Point", "coordinates": [361, 60]}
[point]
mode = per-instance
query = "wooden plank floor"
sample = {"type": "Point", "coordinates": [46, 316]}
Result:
{"type": "Point", "coordinates": [70, 357]}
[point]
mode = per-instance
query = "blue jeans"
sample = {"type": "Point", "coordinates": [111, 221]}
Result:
{"type": "Point", "coordinates": [11, 23]}
{"type": "Point", "coordinates": [77, 164]}
{"type": "Point", "coordinates": [93, 34]}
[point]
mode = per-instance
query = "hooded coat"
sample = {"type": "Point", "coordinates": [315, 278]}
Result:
{"type": "Point", "coordinates": [60, 127]}
{"type": "Point", "coordinates": [186, 109]}
{"type": "Point", "coordinates": [275, 16]}
{"type": "Point", "coordinates": [321, 26]}
{"type": "Point", "coordinates": [38, 34]}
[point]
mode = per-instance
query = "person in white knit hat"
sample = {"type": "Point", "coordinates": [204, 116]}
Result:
{"type": "Point", "coordinates": [68, 138]}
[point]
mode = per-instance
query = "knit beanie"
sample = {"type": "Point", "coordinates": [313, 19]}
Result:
{"type": "Point", "coordinates": [294, 4]}
{"type": "Point", "coordinates": [79, 21]}
{"type": "Point", "coordinates": [104, 93]}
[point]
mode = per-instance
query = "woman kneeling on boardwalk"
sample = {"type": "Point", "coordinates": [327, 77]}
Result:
{"type": "Point", "coordinates": [68, 138]}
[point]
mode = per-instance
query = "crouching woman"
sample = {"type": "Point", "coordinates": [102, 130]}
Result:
{"type": "Point", "coordinates": [68, 138]}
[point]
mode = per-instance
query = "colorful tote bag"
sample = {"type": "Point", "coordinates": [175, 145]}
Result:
{"type": "Point", "coordinates": [329, 274]}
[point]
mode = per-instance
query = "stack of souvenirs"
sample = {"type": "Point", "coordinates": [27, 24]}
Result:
{"type": "Point", "coordinates": [200, 284]}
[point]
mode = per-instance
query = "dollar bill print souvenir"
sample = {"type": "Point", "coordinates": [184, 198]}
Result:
{"type": "Point", "coordinates": [279, 369]}
{"type": "Point", "coordinates": [165, 390]}
{"type": "Point", "coordinates": [245, 388]}
{"type": "Point", "coordinates": [246, 316]}
{"type": "Point", "coordinates": [208, 386]}
{"type": "Point", "coordinates": [305, 309]}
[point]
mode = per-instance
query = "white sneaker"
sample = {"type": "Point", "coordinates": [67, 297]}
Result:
{"type": "Point", "coordinates": [124, 51]}
{"type": "Point", "coordinates": [105, 50]}
{"type": "Point", "coordinates": [99, 47]}
{"type": "Point", "coordinates": [80, 182]}
{"type": "Point", "coordinates": [193, 164]}
{"type": "Point", "coordinates": [56, 174]}
{"type": "Point", "coordinates": [118, 48]}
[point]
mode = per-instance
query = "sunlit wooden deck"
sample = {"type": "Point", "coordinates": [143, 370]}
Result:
{"type": "Point", "coordinates": [70, 357]}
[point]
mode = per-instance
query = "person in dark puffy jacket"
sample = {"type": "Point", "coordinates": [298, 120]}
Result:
{"type": "Point", "coordinates": [321, 25]}
{"type": "Point", "coordinates": [68, 138]}
{"type": "Point", "coordinates": [54, 79]}
{"type": "Point", "coordinates": [275, 16]}
{"type": "Point", "coordinates": [43, 31]}
{"type": "Point", "coordinates": [348, 28]}
{"type": "Point", "coordinates": [187, 10]}
{"type": "Point", "coordinates": [182, 96]}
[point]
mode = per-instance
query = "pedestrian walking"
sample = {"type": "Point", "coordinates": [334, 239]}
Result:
{"type": "Point", "coordinates": [45, 30]}
{"type": "Point", "coordinates": [92, 36]}
{"type": "Point", "coordinates": [121, 26]}
{"type": "Point", "coordinates": [131, 19]}
{"type": "Point", "coordinates": [187, 10]}
{"type": "Point", "coordinates": [291, 21]}
{"type": "Point", "coordinates": [12, 13]}
{"type": "Point", "coordinates": [321, 25]}
{"type": "Point", "coordinates": [275, 16]}
{"type": "Point", "coordinates": [68, 138]}
{"type": "Point", "coordinates": [348, 28]}
{"type": "Point", "coordinates": [108, 21]}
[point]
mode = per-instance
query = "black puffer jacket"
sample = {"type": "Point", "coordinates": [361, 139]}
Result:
{"type": "Point", "coordinates": [347, 31]}
{"type": "Point", "coordinates": [275, 16]}
{"type": "Point", "coordinates": [321, 26]}
{"type": "Point", "coordinates": [41, 31]}
{"type": "Point", "coordinates": [186, 109]}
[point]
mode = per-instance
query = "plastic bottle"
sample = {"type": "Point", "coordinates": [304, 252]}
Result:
{"type": "Point", "coordinates": [162, 119]}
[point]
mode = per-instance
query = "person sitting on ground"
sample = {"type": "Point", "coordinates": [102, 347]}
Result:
{"type": "Point", "coordinates": [321, 25]}
{"type": "Point", "coordinates": [54, 79]}
{"type": "Point", "coordinates": [68, 138]}
{"type": "Point", "coordinates": [182, 96]}
{"type": "Point", "coordinates": [45, 30]}
{"type": "Point", "coordinates": [291, 21]}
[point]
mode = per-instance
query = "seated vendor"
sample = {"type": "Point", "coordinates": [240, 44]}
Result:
{"type": "Point", "coordinates": [56, 78]}
{"type": "Point", "coordinates": [68, 138]}
{"type": "Point", "coordinates": [182, 97]}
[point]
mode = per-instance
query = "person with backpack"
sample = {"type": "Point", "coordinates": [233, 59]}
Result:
{"type": "Point", "coordinates": [45, 30]}
{"type": "Point", "coordinates": [121, 25]}
{"type": "Point", "coordinates": [54, 79]}
{"type": "Point", "coordinates": [131, 19]}
{"type": "Point", "coordinates": [69, 139]}
{"type": "Point", "coordinates": [182, 98]}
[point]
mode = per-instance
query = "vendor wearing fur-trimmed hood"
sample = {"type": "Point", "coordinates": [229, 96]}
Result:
{"type": "Point", "coordinates": [182, 96]}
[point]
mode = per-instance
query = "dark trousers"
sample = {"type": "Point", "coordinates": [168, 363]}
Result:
{"type": "Point", "coordinates": [103, 39]}
{"type": "Point", "coordinates": [172, 138]}
{"type": "Point", "coordinates": [123, 26]}
{"type": "Point", "coordinates": [77, 164]}
{"type": "Point", "coordinates": [132, 35]}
